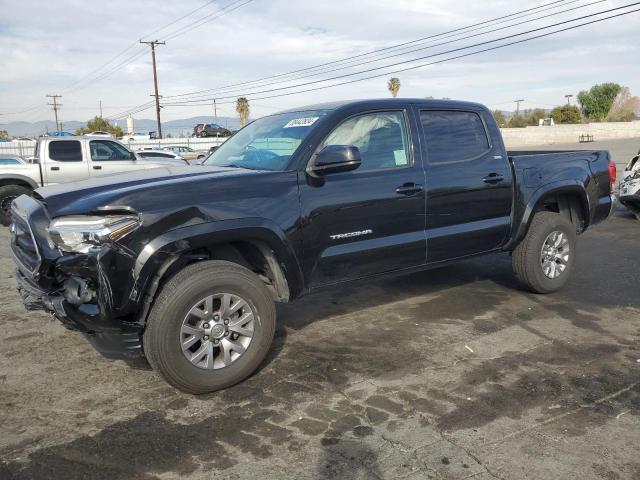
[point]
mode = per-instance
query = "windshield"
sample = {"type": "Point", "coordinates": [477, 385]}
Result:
{"type": "Point", "coordinates": [266, 144]}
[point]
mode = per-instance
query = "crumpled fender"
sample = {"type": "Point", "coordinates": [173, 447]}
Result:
{"type": "Point", "coordinates": [180, 240]}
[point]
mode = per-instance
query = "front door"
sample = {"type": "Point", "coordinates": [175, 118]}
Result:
{"type": "Point", "coordinates": [369, 220]}
{"type": "Point", "coordinates": [109, 157]}
{"type": "Point", "coordinates": [469, 185]}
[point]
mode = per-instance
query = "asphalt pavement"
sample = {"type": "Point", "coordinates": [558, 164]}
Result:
{"type": "Point", "coordinates": [451, 373]}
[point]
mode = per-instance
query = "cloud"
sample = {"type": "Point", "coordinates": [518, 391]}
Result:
{"type": "Point", "coordinates": [48, 47]}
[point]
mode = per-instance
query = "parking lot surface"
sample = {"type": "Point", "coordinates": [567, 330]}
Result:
{"type": "Point", "coordinates": [450, 373]}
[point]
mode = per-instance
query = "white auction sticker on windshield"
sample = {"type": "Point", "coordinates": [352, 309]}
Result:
{"type": "Point", "coordinates": [301, 122]}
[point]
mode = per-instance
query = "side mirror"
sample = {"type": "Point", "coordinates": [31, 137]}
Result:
{"type": "Point", "coordinates": [335, 159]}
{"type": "Point", "coordinates": [134, 156]}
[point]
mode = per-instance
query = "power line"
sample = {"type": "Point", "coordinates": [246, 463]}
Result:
{"type": "Point", "coordinates": [414, 59]}
{"type": "Point", "coordinates": [367, 62]}
{"type": "Point", "coordinates": [414, 67]}
{"type": "Point", "coordinates": [130, 59]}
{"type": "Point", "coordinates": [459, 31]}
{"type": "Point", "coordinates": [231, 7]}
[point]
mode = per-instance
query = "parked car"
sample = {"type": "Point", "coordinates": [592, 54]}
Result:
{"type": "Point", "coordinates": [188, 262]}
{"type": "Point", "coordinates": [210, 130]}
{"type": "Point", "coordinates": [187, 153]}
{"type": "Point", "coordinates": [630, 186]}
{"type": "Point", "coordinates": [10, 159]}
{"type": "Point", "coordinates": [138, 137]}
{"type": "Point", "coordinates": [162, 154]}
{"type": "Point", "coordinates": [99, 133]}
{"type": "Point", "coordinates": [62, 160]}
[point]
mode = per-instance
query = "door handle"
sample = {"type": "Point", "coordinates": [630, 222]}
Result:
{"type": "Point", "coordinates": [409, 189]}
{"type": "Point", "coordinates": [97, 167]}
{"type": "Point", "coordinates": [493, 178]}
{"type": "Point", "coordinates": [55, 168]}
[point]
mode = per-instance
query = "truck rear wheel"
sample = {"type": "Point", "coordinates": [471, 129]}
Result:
{"type": "Point", "coordinates": [210, 327]}
{"type": "Point", "coordinates": [543, 261]}
{"type": "Point", "coordinates": [8, 194]}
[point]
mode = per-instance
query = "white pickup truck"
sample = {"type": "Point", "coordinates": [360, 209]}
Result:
{"type": "Point", "coordinates": [69, 159]}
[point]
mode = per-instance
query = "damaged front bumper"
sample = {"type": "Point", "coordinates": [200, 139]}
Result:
{"type": "Point", "coordinates": [74, 288]}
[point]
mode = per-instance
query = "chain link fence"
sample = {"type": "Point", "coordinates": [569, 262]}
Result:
{"type": "Point", "coordinates": [27, 148]}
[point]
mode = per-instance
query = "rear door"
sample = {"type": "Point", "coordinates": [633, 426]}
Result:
{"type": "Point", "coordinates": [469, 184]}
{"type": "Point", "coordinates": [369, 220]}
{"type": "Point", "coordinates": [63, 161]}
{"type": "Point", "coordinates": [108, 157]}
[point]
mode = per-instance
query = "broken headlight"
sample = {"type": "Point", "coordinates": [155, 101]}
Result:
{"type": "Point", "coordinates": [81, 233]}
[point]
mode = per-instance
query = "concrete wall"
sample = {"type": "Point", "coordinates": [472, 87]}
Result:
{"type": "Point", "coordinates": [518, 137]}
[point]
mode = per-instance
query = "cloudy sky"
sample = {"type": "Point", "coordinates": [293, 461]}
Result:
{"type": "Point", "coordinates": [88, 51]}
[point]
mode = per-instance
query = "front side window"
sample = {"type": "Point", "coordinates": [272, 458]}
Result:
{"type": "Point", "coordinates": [453, 136]}
{"type": "Point", "coordinates": [267, 143]}
{"type": "Point", "coordinates": [104, 150]}
{"type": "Point", "coordinates": [381, 138]}
{"type": "Point", "coordinates": [65, 151]}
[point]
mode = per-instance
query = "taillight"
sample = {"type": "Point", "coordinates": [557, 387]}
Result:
{"type": "Point", "coordinates": [612, 175]}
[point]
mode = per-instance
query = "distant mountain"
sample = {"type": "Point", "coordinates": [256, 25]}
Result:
{"type": "Point", "coordinates": [173, 127]}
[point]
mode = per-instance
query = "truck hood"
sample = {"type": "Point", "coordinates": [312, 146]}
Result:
{"type": "Point", "coordinates": [131, 189]}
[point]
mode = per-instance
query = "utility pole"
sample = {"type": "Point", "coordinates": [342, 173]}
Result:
{"type": "Point", "coordinates": [518, 102]}
{"type": "Point", "coordinates": [155, 81]}
{"type": "Point", "coordinates": [568, 97]}
{"type": "Point", "coordinates": [215, 111]}
{"type": "Point", "coordinates": [56, 106]}
{"type": "Point", "coordinates": [100, 108]}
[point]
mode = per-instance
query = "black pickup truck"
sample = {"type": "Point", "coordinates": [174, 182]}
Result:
{"type": "Point", "coordinates": [183, 264]}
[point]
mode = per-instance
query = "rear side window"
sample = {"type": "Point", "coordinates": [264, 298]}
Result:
{"type": "Point", "coordinates": [453, 136]}
{"type": "Point", "coordinates": [65, 151]}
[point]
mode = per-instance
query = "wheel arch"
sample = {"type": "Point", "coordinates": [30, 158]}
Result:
{"type": "Point", "coordinates": [20, 180]}
{"type": "Point", "coordinates": [569, 198]}
{"type": "Point", "coordinates": [257, 244]}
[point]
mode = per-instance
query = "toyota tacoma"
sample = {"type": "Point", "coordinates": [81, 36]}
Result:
{"type": "Point", "coordinates": [183, 265]}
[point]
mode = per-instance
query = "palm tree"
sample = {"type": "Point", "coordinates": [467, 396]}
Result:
{"type": "Point", "coordinates": [394, 86]}
{"type": "Point", "coordinates": [242, 107]}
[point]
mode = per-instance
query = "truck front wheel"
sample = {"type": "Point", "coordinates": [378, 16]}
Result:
{"type": "Point", "coordinates": [210, 327]}
{"type": "Point", "coordinates": [543, 261]}
{"type": "Point", "coordinates": [8, 194]}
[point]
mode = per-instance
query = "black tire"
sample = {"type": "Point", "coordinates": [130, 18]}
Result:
{"type": "Point", "coordinates": [161, 339]}
{"type": "Point", "coordinates": [8, 193]}
{"type": "Point", "coordinates": [526, 258]}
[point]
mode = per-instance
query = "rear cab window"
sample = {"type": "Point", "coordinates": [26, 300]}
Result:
{"type": "Point", "coordinates": [454, 136]}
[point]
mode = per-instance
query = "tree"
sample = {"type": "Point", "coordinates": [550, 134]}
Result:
{"type": "Point", "coordinates": [100, 124]}
{"type": "Point", "coordinates": [4, 134]}
{"type": "Point", "coordinates": [597, 102]}
{"type": "Point", "coordinates": [499, 118]}
{"type": "Point", "coordinates": [517, 121]}
{"type": "Point", "coordinates": [625, 107]}
{"type": "Point", "coordinates": [394, 86]}
{"type": "Point", "coordinates": [535, 116]}
{"type": "Point", "coordinates": [242, 107]}
{"type": "Point", "coordinates": [566, 114]}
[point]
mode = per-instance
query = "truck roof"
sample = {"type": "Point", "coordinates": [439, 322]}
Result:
{"type": "Point", "coordinates": [76, 137]}
{"type": "Point", "coordinates": [386, 102]}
